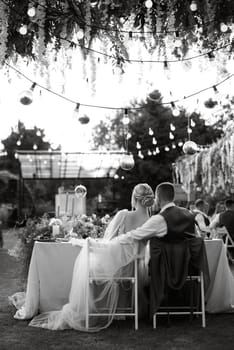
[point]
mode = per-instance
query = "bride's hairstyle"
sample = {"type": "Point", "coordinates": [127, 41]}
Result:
{"type": "Point", "coordinates": [143, 194]}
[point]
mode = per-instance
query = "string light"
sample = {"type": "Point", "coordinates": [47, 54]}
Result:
{"type": "Point", "coordinates": [172, 127]}
{"type": "Point", "coordinates": [138, 145]}
{"type": "Point", "coordinates": [148, 4]}
{"type": "Point", "coordinates": [175, 111]}
{"type": "Point", "coordinates": [31, 12]}
{"type": "Point", "coordinates": [151, 133]}
{"type": "Point", "coordinates": [223, 27]}
{"type": "Point", "coordinates": [120, 108]}
{"type": "Point", "coordinates": [23, 29]}
{"type": "Point", "coordinates": [171, 136]}
{"type": "Point", "coordinates": [76, 111]}
{"type": "Point", "coordinates": [193, 6]}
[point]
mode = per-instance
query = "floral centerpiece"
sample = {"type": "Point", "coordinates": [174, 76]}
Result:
{"type": "Point", "coordinates": [46, 229]}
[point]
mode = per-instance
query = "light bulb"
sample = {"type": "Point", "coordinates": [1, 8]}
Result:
{"type": "Point", "coordinates": [18, 143]}
{"type": "Point", "coordinates": [172, 127]}
{"type": "Point", "coordinates": [154, 141]}
{"type": "Point", "coordinates": [76, 111]}
{"type": "Point", "coordinates": [171, 136]}
{"type": "Point", "coordinates": [192, 123]}
{"type": "Point", "coordinates": [125, 120]}
{"type": "Point", "coordinates": [80, 34]}
{"type": "Point", "coordinates": [178, 43]}
{"type": "Point", "coordinates": [157, 150]}
{"type": "Point", "coordinates": [151, 132]}
{"type": "Point", "coordinates": [149, 153]}
{"type": "Point", "coordinates": [223, 27]}
{"type": "Point", "coordinates": [175, 112]}
{"type": "Point", "coordinates": [138, 145]}
{"type": "Point", "coordinates": [193, 6]}
{"type": "Point", "coordinates": [173, 146]}
{"type": "Point", "coordinates": [31, 12]}
{"type": "Point", "coordinates": [167, 149]}
{"type": "Point", "coordinates": [35, 147]}
{"type": "Point", "coordinates": [189, 131]}
{"type": "Point", "coordinates": [148, 4]}
{"type": "Point", "coordinates": [23, 29]}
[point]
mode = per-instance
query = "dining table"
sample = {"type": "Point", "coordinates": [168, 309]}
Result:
{"type": "Point", "coordinates": [51, 269]}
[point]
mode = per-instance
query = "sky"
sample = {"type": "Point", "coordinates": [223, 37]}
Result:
{"type": "Point", "coordinates": [68, 78]}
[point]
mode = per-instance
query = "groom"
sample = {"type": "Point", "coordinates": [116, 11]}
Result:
{"type": "Point", "coordinates": [171, 223]}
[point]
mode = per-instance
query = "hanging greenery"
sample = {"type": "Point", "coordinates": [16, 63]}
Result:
{"type": "Point", "coordinates": [211, 170]}
{"type": "Point", "coordinates": [28, 26]}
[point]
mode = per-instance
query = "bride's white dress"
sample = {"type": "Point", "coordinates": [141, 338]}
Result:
{"type": "Point", "coordinates": [104, 258]}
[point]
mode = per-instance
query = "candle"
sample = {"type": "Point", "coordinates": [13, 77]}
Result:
{"type": "Point", "coordinates": [55, 230]}
{"type": "Point", "coordinates": [73, 199]}
{"type": "Point", "coordinates": [66, 203]}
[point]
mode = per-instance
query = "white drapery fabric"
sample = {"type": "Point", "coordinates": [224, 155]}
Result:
{"type": "Point", "coordinates": [107, 259]}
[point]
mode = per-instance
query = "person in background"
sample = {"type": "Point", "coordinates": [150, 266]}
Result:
{"type": "Point", "coordinates": [201, 218]}
{"type": "Point", "coordinates": [1, 236]}
{"type": "Point", "coordinates": [225, 218]}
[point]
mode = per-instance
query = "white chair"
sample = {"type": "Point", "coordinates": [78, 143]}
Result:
{"type": "Point", "coordinates": [186, 310]}
{"type": "Point", "coordinates": [103, 312]}
{"type": "Point", "coordinates": [229, 243]}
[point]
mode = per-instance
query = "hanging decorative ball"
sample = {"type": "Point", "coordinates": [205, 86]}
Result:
{"type": "Point", "coordinates": [80, 191]}
{"type": "Point", "coordinates": [193, 6]}
{"type": "Point", "coordinates": [190, 147]}
{"type": "Point", "coordinates": [127, 162]}
{"type": "Point", "coordinates": [84, 120]}
{"type": "Point", "coordinates": [26, 97]}
{"type": "Point", "coordinates": [154, 96]}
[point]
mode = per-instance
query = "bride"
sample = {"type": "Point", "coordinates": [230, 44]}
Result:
{"type": "Point", "coordinates": [103, 258]}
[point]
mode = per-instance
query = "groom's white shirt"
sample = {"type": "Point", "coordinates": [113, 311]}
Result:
{"type": "Point", "coordinates": [155, 226]}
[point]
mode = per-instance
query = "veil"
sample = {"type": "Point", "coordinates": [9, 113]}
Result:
{"type": "Point", "coordinates": [101, 260]}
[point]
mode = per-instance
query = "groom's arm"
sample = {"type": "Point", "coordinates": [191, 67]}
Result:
{"type": "Point", "coordinates": [154, 227]}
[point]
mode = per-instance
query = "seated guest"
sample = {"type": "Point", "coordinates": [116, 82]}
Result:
{"type": "Point", "coordinates": [225, 218]}
{"type": "Point", "coordinates": [202, 220]}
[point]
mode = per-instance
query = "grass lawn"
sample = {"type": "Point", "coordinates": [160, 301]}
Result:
{"type": "Point", "coordinates": [181, 334]}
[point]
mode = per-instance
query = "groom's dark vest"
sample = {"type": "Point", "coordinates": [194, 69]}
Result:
{"type": "Point", "coordinates": [227, 219]}
{"type": "Point", "coordinates": [180, 223]}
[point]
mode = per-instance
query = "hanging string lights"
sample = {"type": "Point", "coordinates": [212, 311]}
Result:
{"type": "Point", "coordinates": [127, 161]}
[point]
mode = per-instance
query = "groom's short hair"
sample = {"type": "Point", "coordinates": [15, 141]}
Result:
{"type": "Point", "coordinates": [166, 191]}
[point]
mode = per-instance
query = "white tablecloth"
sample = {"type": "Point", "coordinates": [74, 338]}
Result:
{"type": "Point", "coordinates": [220, 294]}
{"type": "Point", "coordinates": [51, 267]}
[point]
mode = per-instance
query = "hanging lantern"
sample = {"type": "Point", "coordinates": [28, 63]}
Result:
{"type": "Point", "coordinates": [190, 147]}
{"type": "Point", "coordinates": [80, 191]}
{"type": "Point", "coordinates": [127, 162]}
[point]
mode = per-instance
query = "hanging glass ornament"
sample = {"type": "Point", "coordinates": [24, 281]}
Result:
{"type": "Point", "coordinates": [80, 191]}
{"type": "Point", "coordinates": [190, 147]}
{"type": "Point", "coordinates": [127, 162]}
{"type": "Point", "coordinates": [84, 119]}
